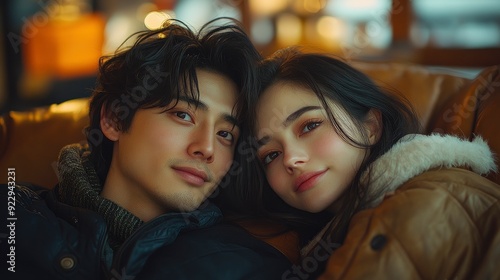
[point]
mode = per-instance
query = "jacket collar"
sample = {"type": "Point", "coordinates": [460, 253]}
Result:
{"type": "Point", "coordinates": [161, 231]}
{"type": "Point", "coordinates": [411, 156]}
{"type": "Point", "coordinates": [415, 154]}
{"type": "Point", "coordinates": [130, 258]}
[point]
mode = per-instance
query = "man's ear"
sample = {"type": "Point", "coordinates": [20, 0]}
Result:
{"type": "Point", "coordinates": [108, 125]}
{"type": "Point", "coordinates": [374, 125]}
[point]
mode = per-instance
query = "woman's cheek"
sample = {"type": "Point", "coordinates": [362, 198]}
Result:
{"type": "Point", "coordinates": [325, 143]}
{"type": "Point", "coordinates": [275, 180]}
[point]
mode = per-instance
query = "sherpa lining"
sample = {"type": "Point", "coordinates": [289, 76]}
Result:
{"type": "Point", "coordinates": [415, 154]}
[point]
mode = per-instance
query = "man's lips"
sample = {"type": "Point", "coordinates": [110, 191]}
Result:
{"type": "Point", "coordinates": [191, 175]}
{"type": "Point", "coordinates": [308, 180]}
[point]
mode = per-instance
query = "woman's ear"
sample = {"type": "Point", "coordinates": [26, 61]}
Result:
{"type": "Point", "coordinates": [374, 125]}
{"type": "Point", "coordinates": [109, 126]}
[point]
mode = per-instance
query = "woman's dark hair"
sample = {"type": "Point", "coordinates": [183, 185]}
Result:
{"type": "Point", "coordinates": [330, 79]}
{"type": "Point", "coordinates": [159, 67]}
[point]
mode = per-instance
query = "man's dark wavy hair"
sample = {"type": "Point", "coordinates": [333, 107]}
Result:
{"type": "Point", "coordinates": [161, 66]}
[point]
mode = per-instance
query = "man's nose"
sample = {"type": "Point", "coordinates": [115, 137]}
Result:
{"type": "Point", "coordinates": [202, 143]}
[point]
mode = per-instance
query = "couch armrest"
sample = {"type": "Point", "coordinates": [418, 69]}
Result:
{"type": "Point", "coordinates": [475, 111]}
{"type": "Point", "coordinates": [30, 141]}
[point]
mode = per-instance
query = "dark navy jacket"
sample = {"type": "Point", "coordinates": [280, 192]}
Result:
{"type": "Point", "coordinates": [56, 241]}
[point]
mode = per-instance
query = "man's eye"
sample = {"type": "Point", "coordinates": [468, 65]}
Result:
{"type": "Point", "coordinates": [226, 135]}
{"type": "Point", "coordinates": [270, 157]}
{"type": "Point", "coordinates": [183, 115]}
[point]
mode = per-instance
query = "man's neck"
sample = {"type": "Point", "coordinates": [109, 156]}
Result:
{"type": "Point", "coordinates": [134, 200]}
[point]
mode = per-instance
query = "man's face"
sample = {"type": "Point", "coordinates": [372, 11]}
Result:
{"type": "Point", "coordinates": [173, 160]}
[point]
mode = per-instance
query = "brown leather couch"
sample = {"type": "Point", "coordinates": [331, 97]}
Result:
{"type": "Point", "coordinates": [447, 103]}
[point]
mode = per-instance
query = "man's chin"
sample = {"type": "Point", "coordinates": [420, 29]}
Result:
{"type": "Point", "coordinates": [188, 204]}
{"type": "Point", "coordinates": [185, 201]}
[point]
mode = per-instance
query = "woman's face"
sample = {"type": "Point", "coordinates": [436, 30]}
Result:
{"type": "Point", "coordinates": [306, 162]}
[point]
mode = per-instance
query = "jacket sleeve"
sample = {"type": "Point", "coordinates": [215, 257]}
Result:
{"type": "Point", "coordinates": [219, 252]}
{"type": "Point", "coordinates": [435, 227]}
{"type": "Point", "coordinates": [44, 246]}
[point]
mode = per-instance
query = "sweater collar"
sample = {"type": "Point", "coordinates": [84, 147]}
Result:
{"type": "Point", "coordinates": [79, 186]}
{"type": "Point", "coordinates": [415, 154]}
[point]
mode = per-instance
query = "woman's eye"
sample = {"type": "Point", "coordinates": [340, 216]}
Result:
{"type": "Point", "coordinates": [226, 135]}
{"type": "Point", "coordinates": [270, 157]}
{"type": "Point", "coordinates": [310, 126]}
{"type": "Point", "coordinates": [184, 116]}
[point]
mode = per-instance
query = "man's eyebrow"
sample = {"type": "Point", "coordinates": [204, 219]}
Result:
{"type": "Point", "coordinates": [292, 117]}
{"type": "Point", "coordinates": [194, 102]}
{"type": "Point", "coordinates": [231, 119]}
{"type": "Point", "coordinates": [198, 104]}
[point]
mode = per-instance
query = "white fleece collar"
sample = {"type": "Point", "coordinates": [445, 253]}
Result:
{"type": "Point", "coordinates": [415, 154]}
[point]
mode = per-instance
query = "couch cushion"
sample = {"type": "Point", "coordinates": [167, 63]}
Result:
{"type": "Point", "coordinates": [30, 141]}
{"type": "Point", "coordinates": [427, 90]}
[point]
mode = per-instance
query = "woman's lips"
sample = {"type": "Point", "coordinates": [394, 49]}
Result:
{"type": "Point", "coordinates": [191, 175]}
{"type": "Point", "coordinates": [308, 180]}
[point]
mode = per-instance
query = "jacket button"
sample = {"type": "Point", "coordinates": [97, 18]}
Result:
{"type": "Point", "coordinates": [378, 242]}
{"type": "Point", "coordinates": [67, 263]}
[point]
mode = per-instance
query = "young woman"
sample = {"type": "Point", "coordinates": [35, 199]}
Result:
{"type": "Point", "coordinates": [401, 205]}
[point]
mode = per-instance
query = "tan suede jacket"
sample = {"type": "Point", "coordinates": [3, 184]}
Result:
{"type": "Point", "coordinates": [430, 220]}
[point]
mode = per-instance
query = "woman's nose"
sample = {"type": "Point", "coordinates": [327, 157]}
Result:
{"type": "Point", "coordinates": [294, 157]}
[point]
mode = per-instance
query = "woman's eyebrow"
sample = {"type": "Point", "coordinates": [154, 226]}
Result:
{"type": "Point", "coordinates": [292, 117]}
{"type": "Point", "coordinates": [295, 115]}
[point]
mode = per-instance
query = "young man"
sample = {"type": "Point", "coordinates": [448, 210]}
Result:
{"type": "Point", "coordinates": [164, 124]}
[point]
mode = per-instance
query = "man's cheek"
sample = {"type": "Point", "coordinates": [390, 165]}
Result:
{"type": "Point", "coordinates": [225, 168]}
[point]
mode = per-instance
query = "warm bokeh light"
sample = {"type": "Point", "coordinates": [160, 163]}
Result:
{"type": "Point", "coordinates": [267, 7]}
{"type": "Point", "coordinates": [288, 29]}
{"type": "Point", "coordinates": [330, 28]}
{"type": "Point", "coordinates": [66, 48]}
{"type": "Point", "coordinates": [314, 6]}
{"type": "Point", "coordinates": [144, 9]}
{"type": "Point", "coordinates": [154, 20]}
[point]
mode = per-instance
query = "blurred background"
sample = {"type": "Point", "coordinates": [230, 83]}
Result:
{"type": "Point", "coordinates": [49, 50]}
